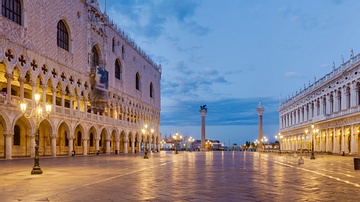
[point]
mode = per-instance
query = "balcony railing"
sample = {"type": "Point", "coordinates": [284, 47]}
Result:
{"type": "Point", "coordinates": [63, 111]}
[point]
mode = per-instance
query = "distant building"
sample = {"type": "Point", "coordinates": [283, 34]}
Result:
{"type": "Point", "coordinates": [325, 113]}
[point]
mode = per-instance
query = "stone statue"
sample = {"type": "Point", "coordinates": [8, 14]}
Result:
{"type": "Point", "coordinates": [351, 53]}
{"type": "Point", "coordinates": [342, 59]}
{"type": "Point", "coordinates": [203, 107]}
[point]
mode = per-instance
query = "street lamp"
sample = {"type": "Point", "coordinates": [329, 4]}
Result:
{"type": "Point", "coordinates": [146, 131]}
{"type": "Point", "coordinates": [208, 144]}
{"type": "Point", "coordinates": [177, 137]}
{"type": "Point", "coordinates": [191, 140]}
{"type": "Point", "coordinates": [163, 144]}
{"type": "Point", "coordinates": [314, 132]}
{"type": "Point", "coordinates": [37, 112]}
{"type": "Point", "coordinates": [264, 140]}
{"type": "Point", "coordinates": [256, 143]}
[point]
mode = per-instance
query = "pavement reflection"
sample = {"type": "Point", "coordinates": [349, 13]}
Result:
{"type": "Point", "coordinates": [187, 176]}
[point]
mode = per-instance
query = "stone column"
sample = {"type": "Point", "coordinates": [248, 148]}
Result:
{"type": "Point", "coordinates": [352, 140]}
{"type": "Point", "coordinates": [203, 111]}
{"type": "Point", "coordinates": [63, 92]}
{"type": "Point", "coordinates": [335, 142]}
{"type": "Point", "coordinates": [125, 146]}
{"type": "Point", "coordinates": [53, 146]}
{"type": "Point", "coordinates": [78, 104]}
{"type": "Point", "coordinates": [8, 145]}
{"type": "Point", "coordinates": [21, 81]}
{"type": "Point", "coordinates": [139, 145]}
{"type": "Point", "coordinates": [54, 91]}
{"type": "Point", "coordinates": [85, 147]}
{"type": "Point", "coordinates": [85, 106]}
{"type": "Point", "coordinates": [132, 146]}
{"type": "Point", "coordinates": [97, 145]}
{"type": "Point", "coordinates": [71, 103]}
{"type": "Point", "coordinates": [107, 146]}
{"type": "Point", "coordinates": [354, 95]}
{"type": "Point", "coordinates": [327, 140]}
{"type": "Point", "coordinates": [71, 145]}
{"type": "Point", "coordinates": [9, 78]}
{"type": "Point", "coordinates": [342, 139]}
{"type": "Point", "coordinates": [44, 87]}
{"type": "Point", "coordinates": [33, 91]}
{"type": "Point", "coordinates": [260, 110]}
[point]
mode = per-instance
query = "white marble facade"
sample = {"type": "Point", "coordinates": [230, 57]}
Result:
{"type": "Point", "coordinates": [332, 105]}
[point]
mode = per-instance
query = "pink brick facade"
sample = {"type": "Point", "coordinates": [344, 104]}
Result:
{"type": "Point", "coordinates": [32, 62]}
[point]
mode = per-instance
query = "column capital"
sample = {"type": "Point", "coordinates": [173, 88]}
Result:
{"type": "Point", "coordinates": [7, 135]}
{"type": "Point", "coordinates": [9, 76]}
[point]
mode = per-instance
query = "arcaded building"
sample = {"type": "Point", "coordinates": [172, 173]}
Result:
{"type": "Point", "coordinates": [331, 105]}
{"type": "Point", "coordinates": [102, 87]}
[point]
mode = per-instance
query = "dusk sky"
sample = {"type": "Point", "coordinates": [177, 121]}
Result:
{"type": "Point", "coordinates": [231, 54]}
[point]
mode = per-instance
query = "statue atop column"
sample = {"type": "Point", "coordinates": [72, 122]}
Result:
{"type": "Point", "coordinates": [260, 110]}
{"type": "Point", "coordinates": [203, 111]}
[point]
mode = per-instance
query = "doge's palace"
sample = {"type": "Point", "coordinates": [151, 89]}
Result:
{"type": "Point", "coordinates": [103, 88]}
{"type": "Point", "coordinates": [324, 116]}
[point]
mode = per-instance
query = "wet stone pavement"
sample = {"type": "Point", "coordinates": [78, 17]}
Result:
{"type": "Point", "coordinates": [187, 176]}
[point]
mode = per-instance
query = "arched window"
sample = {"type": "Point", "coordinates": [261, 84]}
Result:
{"type": "Point", "coordinates": [79, 138]}
{"type": "Point", "coordinates": [137, 79]}
{"type": "Point", "coordinates": [151, 90]}
{"type": "Point", "coordinates": [16, 135]}
{"type": "Point", "coordinates": [91, 139]}
{"type": "Point", "coordinates": [11, 9]}
{"type": "Point", "coordinates": [118, 70]}
{"type": "Point", "coordinates": [62, 36]}
{"type": "Point", "coordinates": [339, 101]}
{"type": "Point", "coordinates": [95, 57]}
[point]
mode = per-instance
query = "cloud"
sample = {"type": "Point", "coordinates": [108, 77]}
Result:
{"type": "Point", "coordinates": [292, 75]}
{"type": "Point", "coordinates": [148, 18]}
{"type": "Point", "coordinates": [298, 17]}
{"type": "Point", "coordinates": [184, 82]}
{"type": "Point", "coordinates": [228, 111]}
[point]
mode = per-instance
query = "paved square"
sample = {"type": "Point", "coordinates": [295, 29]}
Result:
{"type": "Point", "coordinates": [196, 176]}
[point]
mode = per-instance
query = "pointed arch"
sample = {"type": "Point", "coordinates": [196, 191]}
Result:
{"type": "Point", "coordinates": [151, 90]}
{"type": "Point", "coordinates": [137, 81]}
{"type": "Point", "coordinates": [118, 69]}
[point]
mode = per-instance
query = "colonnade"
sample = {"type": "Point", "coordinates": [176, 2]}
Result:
{"type": "Point", "coordinates": [337, 140]}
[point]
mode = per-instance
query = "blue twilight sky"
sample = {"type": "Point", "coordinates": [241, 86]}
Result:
{"type": "Point", "coordinates": [230, 54]}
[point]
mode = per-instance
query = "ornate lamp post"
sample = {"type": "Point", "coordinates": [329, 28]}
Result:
{"type": "Point", "coordinates": [313, 133]}
{"type": "Point", "coordinates": [37, 112]}
{"type": "Point", "coordinates": [191, 140]}
{"type": "Point", "coordinates": [177, 137]}
{"type": "Point", "coordinates": [145, 132]}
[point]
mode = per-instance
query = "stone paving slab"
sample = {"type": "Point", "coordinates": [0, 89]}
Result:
{"type": "Point", "coordinates": [195, 176]}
